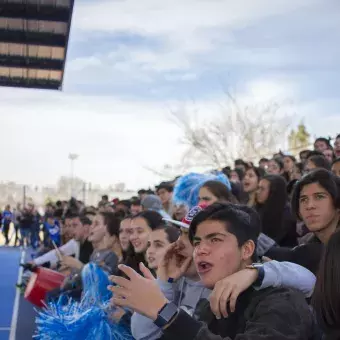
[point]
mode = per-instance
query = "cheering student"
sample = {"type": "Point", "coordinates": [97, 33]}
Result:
{"type": "Point", "coordinates": [184, 289]}
{"type": "Point", "coordinates": [224, 243]}
{"type": "Point", "coordinates": [78, 246]}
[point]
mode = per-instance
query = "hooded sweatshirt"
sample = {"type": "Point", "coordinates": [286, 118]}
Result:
{"type": "Point", "coordinates": [185, 293]}
{"type": "Point", "coordinates": [154, 203]}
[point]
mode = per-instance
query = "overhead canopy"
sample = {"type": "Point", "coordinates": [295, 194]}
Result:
{"type": "Point", "coordinates": [33, 42]}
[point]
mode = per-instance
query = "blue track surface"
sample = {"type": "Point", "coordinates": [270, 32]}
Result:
{"type": "Point", "coordinates": [9, 261]}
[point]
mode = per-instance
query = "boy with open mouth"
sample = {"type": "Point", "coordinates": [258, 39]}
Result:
{"type": "Point", "coordinates": [224, 244]}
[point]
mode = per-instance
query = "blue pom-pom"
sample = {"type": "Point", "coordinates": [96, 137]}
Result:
{"type": "Point", "coordinates": [95, 282]}
{"type": "Point", "coordinates": [73, 322]}
{"type": "Point", "coordinates": [186, 190]}
{"type": "Point", "coordinates": [88, 319]}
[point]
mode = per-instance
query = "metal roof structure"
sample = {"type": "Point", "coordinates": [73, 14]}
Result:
{"type": "Point", "coordinates": [34, 36]}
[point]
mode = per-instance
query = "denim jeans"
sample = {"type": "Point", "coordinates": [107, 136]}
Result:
{"type": "Point", "coordinates": [25, 235]}
{"type": "Point", "coordinates": [35, 239]}
{"type": "Point", "coordinates": [5, 230]}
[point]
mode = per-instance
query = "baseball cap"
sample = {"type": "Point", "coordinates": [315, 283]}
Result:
{"type": "Point", "coordinates": [185, 223]}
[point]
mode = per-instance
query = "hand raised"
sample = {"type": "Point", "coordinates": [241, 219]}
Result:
{"type": "Point", "coordinates": [174, 264]}
{"type": "Point", "coordinates": [140, 293]}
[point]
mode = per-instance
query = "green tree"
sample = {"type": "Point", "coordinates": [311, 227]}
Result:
{"type": "Point", "coordinates": [292, 140]}
{"type": "Point", "coordinates": [299, 139]}
{"type": "Point", "coordinates": [302, 136]}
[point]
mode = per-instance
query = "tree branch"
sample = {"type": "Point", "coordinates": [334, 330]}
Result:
{"type": "Point", "coordinates": [248, 132]}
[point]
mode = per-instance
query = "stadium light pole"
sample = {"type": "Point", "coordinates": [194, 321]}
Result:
{"type": "Point", "coordinates": [72, 157]}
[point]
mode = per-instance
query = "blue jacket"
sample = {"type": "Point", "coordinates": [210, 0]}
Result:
{"type": "Point", "coordinates": [53, 232]}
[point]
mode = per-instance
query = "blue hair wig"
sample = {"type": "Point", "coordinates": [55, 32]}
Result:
{"type": "Point", "coordinates": [187, 187]}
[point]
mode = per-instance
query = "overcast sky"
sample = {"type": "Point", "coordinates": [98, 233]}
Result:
{"type": "Point", "coordinates": [129, 61]}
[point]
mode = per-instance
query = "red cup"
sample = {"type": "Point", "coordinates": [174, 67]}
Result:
{"type": "Point", "coordinates": [42, 281]}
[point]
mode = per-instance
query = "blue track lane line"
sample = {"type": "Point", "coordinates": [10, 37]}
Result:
{"type": "Point", "coordinates": [15, 314]}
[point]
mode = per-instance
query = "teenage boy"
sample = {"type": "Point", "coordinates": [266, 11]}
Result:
{"type": "Point", "coordinates": [224, 243]}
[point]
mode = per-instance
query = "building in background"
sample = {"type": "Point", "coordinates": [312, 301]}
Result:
{"type": "Point", "coordinates": [13, 193]}
{"type": "Point", "coordinates": [34, 37]}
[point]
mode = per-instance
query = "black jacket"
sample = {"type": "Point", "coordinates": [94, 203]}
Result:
{"type": "Point", "coordinates": [26, 220]}
{"type": "Point", "coordinates": [307, 255]}
{"type": "Point", "coordinates": [269, 314]}
{"type": "Point", "coordinates": [282, 229]}
{"type": "Point", "coordinates": [85, 251]}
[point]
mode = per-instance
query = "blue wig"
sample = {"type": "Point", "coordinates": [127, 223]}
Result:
{"type": "Point", "coordinates": [88, 319]}
{"type": "Point", "coordinates": [187, 187]}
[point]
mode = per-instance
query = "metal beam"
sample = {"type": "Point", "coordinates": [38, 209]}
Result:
{"type": "Point", "coordinates": [33, 38]}
{"type": "Point", "coordinates": [30, 62]}
{"type": "Point", "coordinates": [67, 43]}
{"type": "Point", "coordinates": [38, 12]}
{"type": "Point", "coordinates": [34, 12]}
{"type": "Point", "coordinates": [30, 83]}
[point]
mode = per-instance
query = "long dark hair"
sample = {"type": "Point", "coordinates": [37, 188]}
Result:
{"type": "Point", "coordinates": [326, 297]}
{"type": "Point", "coordinates": [325, 179]}
{"type": "Point", "coordinates": [130, 257]}
{"type": "Point", "coordinates": [220, 190]}
{"type": "Point", "coordinates": [285, 174]}
{"type": "Point", "coordinates": [272, 211]}
{"type": "Point", "coordinates": [259, 172]}
{"type": "Point", "coordinates": [152, 218]}
{"type": "Point", "coordinates": [279, 162]}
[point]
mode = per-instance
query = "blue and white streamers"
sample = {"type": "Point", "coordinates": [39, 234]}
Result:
{"type": "Point", "coordinates": [88, 319]}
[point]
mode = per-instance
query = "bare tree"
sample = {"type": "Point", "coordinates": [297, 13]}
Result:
{"type": "Point", "coordinates": [247, 132]}
{"type": "Point", "coordinates": [167, 171]}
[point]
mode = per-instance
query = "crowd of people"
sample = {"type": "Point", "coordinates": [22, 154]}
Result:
{"type": "Point", "coordinates": [248, 252]}
{"type": "Point", "coordinates": [26, 222]}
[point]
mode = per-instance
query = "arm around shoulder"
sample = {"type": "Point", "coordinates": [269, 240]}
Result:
{"type": "Point", "coordinates": [289, 275]}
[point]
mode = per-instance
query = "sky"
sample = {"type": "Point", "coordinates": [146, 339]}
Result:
{"type": "Point", "coordinates": [131, 62]}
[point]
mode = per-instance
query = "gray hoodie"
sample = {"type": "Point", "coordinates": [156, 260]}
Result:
{"type": "Point", "coordinates": [185, 293]}
{"type": "Point", "coordinates": [153, 202]}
